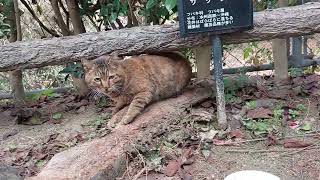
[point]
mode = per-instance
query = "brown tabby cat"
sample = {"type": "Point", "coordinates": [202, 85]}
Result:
{"type": "Point", "coordinates": [138, 80]}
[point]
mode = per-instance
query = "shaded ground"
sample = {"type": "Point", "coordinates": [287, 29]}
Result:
{"type": "Point", "coordinates": [190, 146]}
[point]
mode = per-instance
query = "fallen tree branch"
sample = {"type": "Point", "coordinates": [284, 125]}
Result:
{"type": "Point", "coordinates": [270, 24]}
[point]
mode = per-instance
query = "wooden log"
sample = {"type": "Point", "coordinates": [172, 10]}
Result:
{"type": "Point", "coordinates": [270, 24]}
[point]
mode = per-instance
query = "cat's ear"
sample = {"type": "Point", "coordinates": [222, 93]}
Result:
{"type": "Point", "coordinates": [114, 56]}
{"type": "Point", "coordinates": [87, 65]}
{"type": "Point", "coordinates": [112, 60]}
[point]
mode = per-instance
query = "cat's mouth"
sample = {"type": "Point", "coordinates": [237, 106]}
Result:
{"type": "Point", "coordinates": [113, 93]}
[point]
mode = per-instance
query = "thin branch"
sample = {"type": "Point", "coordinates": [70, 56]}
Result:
{"type": "Point", "coordinates": [18, 20]}
{"type": "Point", "coordinates": [38, 20]}
{"type": "Point", "coordinates": [66, 13]}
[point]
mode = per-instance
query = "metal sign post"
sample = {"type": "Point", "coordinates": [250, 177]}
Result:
{"type": "Point", "coordinates": [215, 17]}
{"type": "Point", "coordinates": [218, 76]}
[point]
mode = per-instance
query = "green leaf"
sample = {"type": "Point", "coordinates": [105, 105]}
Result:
{"type": "Point", "coordinates": [57, 116]}
{"type": "Point", "coordinates": [150, 4]}
{"type": "Point", "coordinates": [104, 10]}
{"type": "Point", "coordinates": [153, 158]}
{"type": "Point", "coordinates": [124, 9]}
{"type": "Point", "coordinates": [4, 26]}
{"type": "Point", "coordinates": [2, 35]}
{"type": "Point", "coordinates": [39, 9]}
{"type": "Point", "coordinates": [75, 69]}
{"type": "Point", "coordinates": [116, 5]}
{"type": "Point", "coordinates": [306, 126]}
{"type": "Point", "coordinates": [113, 17]}
{"type": "Point", "coordinates": [170, 4]}
{"type": "Point", "coordinates": [163, 12]}
{"type": "Point", "coordinates": [246, 52]}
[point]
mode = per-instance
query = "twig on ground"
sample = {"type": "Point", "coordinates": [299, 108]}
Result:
{"type": "Point", "coordinates": [310, 134]}
{"type": "Point", "coordinates": [308, 110]}
{"type": "Point", "coordinates": [286, 151]}
{"type": "Point", "coordinates": [140, 173]}
{"type": "Point", "coordinates": [254, 151]}
{"type": "Point", "coordinates": [145, 168]}
{"type": "Point", "coordinates": [312, 146]}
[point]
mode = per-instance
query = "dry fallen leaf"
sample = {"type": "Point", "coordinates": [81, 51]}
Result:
{"type": "Point", "coordinates": [259, 113]}
{"type": "Point", "coordinates": [172, 168]}
{"type": "Point", "coordinates": [292, 143]}
{"type": "Point", "coordinates": [293, 124]}
{"type": "Point", "coordinates": [235, 134]}
{"type": "Point", "coordinates": [272, 140]}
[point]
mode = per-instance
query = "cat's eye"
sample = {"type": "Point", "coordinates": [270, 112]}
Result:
{"type": "Point", "coordinates": [97, 79]}
{"type": "Point", "coordinates": [111, 77]}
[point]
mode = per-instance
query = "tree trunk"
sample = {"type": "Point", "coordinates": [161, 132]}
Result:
{"type": "Point", "coordinates": [16, 75]}
{"type": "Point", "coordinates": [62, 25]}
{"type": "Point", "coordinates": [278, 23]}
{"type": "Point", "coordinates": [78, 28]}
{"type": "Point", "coordinates": [76, 20]}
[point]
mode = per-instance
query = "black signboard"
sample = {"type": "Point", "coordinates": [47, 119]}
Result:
{"type": "Point", "coordinates": [216, 16]}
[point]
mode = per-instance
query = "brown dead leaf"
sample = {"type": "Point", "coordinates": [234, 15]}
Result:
{"type": "Point", "coordinates": [201, 115]}
{"type": "Point", "coordinates": [292, 143]}
{"type": "Point", "coordinates": [172, 168]}
{"type": "Point", "coordinates": [258, 113]}
{"type": "Point", "coordinates": [280, 93]}
{"type": "Point", "coordinates": [312, 78]}
{"type": "Point", "coordinates": [207, 104]}
{"type": "Point", "coordinates": [235, 134]}
{"type": "Point", "coordinates": [272, 140]}
{"type": "Point", "coordinates": [298, 81]}
{"type": "Point", "coordinates": [186, 156]}
{"type": "Point", "coordinates": [42, 98]}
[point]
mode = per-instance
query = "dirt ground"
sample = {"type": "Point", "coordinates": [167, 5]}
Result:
{"type": "Point", "coordinates": [191, 146]}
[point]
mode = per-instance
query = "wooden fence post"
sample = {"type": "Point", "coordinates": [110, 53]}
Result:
{"type": "Point", "coordinates": [203, 59]}
{"type": "Point", "coordinates": [280, 54]}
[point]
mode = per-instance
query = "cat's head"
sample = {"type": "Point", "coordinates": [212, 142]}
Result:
{"type": "Point", "coordinates": [105, 75]}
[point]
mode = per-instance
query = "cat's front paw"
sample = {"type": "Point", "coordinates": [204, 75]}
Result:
{"type": "Point", "coordinates": [114, 111]}
{"type": "Point", "coordinates": [127, 119]}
